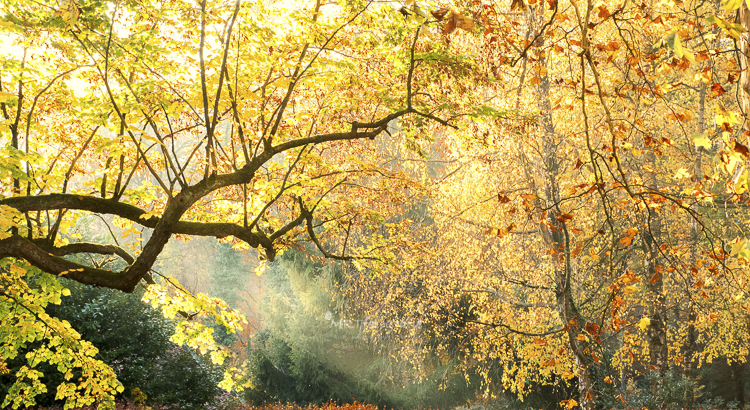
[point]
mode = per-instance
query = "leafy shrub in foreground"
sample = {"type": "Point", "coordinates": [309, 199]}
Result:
{"type": "Point", "coordinates": [133, 339]}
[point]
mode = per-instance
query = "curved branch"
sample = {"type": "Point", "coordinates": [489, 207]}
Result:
{"type": "Point", "coordinates": [86, 247]}
{"type": "Point", "coordinates": [19, 247]}
{"type": "Point", "coordinates": [308, 216]}
{"type": "Point", "coordinates": [139, 216]}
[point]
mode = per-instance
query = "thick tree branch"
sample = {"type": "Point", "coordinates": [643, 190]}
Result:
{"type": "Point", "coordinates": [137, 215]}
{"type": "Point", "coordinates": [19, 247]}
{"type": "Point", "coordinates": [86, 247]}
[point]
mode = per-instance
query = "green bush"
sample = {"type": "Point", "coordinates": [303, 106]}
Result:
{"type": "Point", "coordinates": [133, 339]}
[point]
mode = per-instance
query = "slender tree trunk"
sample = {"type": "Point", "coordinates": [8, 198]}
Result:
{"type": "Point", "coordinates": [694, 238]}
{"type": "Point", "coordinates": [744, 94]}
{"type": "Point", "coordinates": [654, 270]}
{"type": "Point", "coordinates": [558, 238]}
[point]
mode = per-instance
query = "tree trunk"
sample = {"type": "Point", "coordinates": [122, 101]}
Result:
{"type": "Point", "coordinates": [654, 270]}
{"type": "Point", "coordinates": [744, 94]}
{"type": "Point", "coordinates": [557, 237]}
{"type": "Point", "coordinates": [689, 363]}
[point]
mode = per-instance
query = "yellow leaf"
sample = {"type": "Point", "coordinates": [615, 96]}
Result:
{"type": "Point", "coordinates": [152, 139]}
{"type": "Point", "coordinates": [146, 216]}
{"type": "Point", "coordinates": [541, 70]}
{"type": "Point", "coordinates": [682, 173]}
{"type": "Point", "coordinates": [678, 50]}
{"type": "Point", "coordinates": [643, 323]}
{"type": "Point", "coordinates": [731, 5]}
{"type": "Point", "coordinates": [740, 183]}
{"type": "Point", "coordinates": [261, 268]}
{"type": "Point", "coordinates": [701, 140]}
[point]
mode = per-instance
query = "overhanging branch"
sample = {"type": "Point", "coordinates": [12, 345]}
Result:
{"type": "Point", "coordinates": [137, 215]}
{"type": "Point", "coordinates": [17, 246]}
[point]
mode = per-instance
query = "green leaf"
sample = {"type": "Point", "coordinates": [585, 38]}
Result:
{"type": "Point", "coordinates": [6, 97]}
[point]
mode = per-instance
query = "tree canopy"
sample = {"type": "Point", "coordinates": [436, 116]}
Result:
{"type": "Point", "coordinates": [247, 121]}
{"type": "Point", "coordinates": [556, 189]}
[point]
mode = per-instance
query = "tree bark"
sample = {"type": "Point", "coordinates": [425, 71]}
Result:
{"type": "Point", "coordinates": [690, 345]}
{"type": "Point", "coordinates": [557, 237]}
{"type": "Point", "coordinates": [744, 94]}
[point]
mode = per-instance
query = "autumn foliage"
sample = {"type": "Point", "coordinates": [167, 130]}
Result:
{"type": "Point", "coordinates": [324, 406]}
{"type": "Point", "coordinates": [555, 190]}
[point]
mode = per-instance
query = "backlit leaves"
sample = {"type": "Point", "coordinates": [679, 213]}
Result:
{"type": "Point", "coordinates": [23, 322]}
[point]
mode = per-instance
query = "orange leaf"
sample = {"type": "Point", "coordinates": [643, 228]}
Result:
{"type": "Point", "coordinates": [565, 217]}
{"type": "Point", "coordinates": [717, 90]}
{"type": "Point", "coordinates": [654, 278]}
{"type": "Point", "coordinates": [440, 13]}
{"type": "Point", "coordinates": [741, 149]}
{"type": "Point", "coordinates": [450, 26]}
{"type": "Point", "coordinates": [626, 240]}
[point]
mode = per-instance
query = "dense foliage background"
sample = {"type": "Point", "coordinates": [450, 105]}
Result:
{"type": "Point", "coordinates": [410, 204]}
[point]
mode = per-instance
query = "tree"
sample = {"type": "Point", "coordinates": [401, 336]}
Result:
{"type": "Point", "coordinates": [578, 234]}
{"type": "Point", "coordinates": [584, 232]}
{"type": "Point", "coordinates": [246, 121]}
